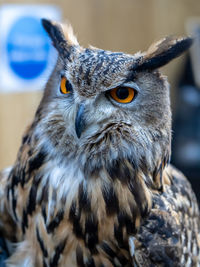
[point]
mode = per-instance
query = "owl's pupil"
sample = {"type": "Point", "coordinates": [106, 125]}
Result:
{"type": "Point", "coordinates": [68, 86]}
{"type": "Point", "coordinates": [122, 92]}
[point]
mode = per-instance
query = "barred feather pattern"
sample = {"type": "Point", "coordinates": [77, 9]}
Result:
{"type": "Point", "coordinates": [59, 229]}
{"type": "Point", "coordinates": [68, 219]}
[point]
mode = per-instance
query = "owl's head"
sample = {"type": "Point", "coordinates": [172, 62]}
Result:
{"type": "Point", "coordinates": [104, 108]}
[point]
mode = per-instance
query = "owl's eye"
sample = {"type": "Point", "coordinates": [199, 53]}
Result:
{"type": "Point", "coordinates": [65, 86]}
{"type": "Point", "coordinates": [123, 94]}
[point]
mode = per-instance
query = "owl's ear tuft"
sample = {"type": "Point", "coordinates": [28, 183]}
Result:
{"type": "Point", "coordinates": [163, 51]}
{"type": "Point", "coordinates": [69, 34]}
{"type": "Point", "coordinates": [62, 37]}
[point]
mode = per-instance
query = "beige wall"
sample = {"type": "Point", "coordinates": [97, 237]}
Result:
{"type": "Point", "coordinates": [127, 25]}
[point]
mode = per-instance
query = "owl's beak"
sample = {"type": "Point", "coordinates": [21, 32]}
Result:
{"type": "Point", "coordinates": [80, 121]}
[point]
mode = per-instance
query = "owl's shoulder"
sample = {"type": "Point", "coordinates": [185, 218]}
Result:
{"type": "Point", "coordinates": [170, 235]}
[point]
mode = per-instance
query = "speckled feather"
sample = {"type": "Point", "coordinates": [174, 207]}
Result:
{"type": "Point", "coordinates": [170, 235]}
{"type": "Point", "coordinates": [106, 197]}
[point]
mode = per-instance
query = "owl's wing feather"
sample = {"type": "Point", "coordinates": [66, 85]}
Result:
{"type": "Point", "coordinates": [7, 225]}
{"type": "Point", "coordinates": [170, 235]}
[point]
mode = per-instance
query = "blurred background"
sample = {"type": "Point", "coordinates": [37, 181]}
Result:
{"type": "Point", "coordinates": [129, 26]}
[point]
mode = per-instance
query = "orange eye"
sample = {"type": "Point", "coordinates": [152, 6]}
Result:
{"type": "Point", "coordinates": [123, 94]}
{"type": "Point", "coordinates": [65, 86]}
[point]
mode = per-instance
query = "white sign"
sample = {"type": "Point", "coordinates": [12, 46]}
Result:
{"type": "Point", "coordinates": [26, 54]}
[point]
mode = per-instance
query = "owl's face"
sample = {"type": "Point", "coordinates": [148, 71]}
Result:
{"type": "Point", "coordinates": [103, 106]}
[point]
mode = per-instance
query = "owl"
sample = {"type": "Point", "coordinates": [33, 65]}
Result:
{"type": "Point", "coordinates": [92, 185]}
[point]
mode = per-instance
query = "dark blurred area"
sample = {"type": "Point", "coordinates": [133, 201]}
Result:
{"type": "Point", "coordinates": [186, 128]}
{"type": "Point", "coordinates": [186, 123]}
{"type": "Point", "coordinates": [3, 252]}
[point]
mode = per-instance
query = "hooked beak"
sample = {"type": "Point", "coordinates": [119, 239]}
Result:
{"type": "Point", "coordinates": [80, 121]}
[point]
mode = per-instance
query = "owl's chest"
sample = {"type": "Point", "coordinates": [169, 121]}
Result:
{"type": "Point", "coordinates": [64, 218]}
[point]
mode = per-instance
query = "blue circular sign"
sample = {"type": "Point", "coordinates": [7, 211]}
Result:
{"type": "Point", "coordinates": [28, 48]}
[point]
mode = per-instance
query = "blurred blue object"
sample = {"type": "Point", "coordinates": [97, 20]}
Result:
{"type": "Point", "coordinates": [27, 56]}
{"type": "Point", "coordinates": [28, 47]}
